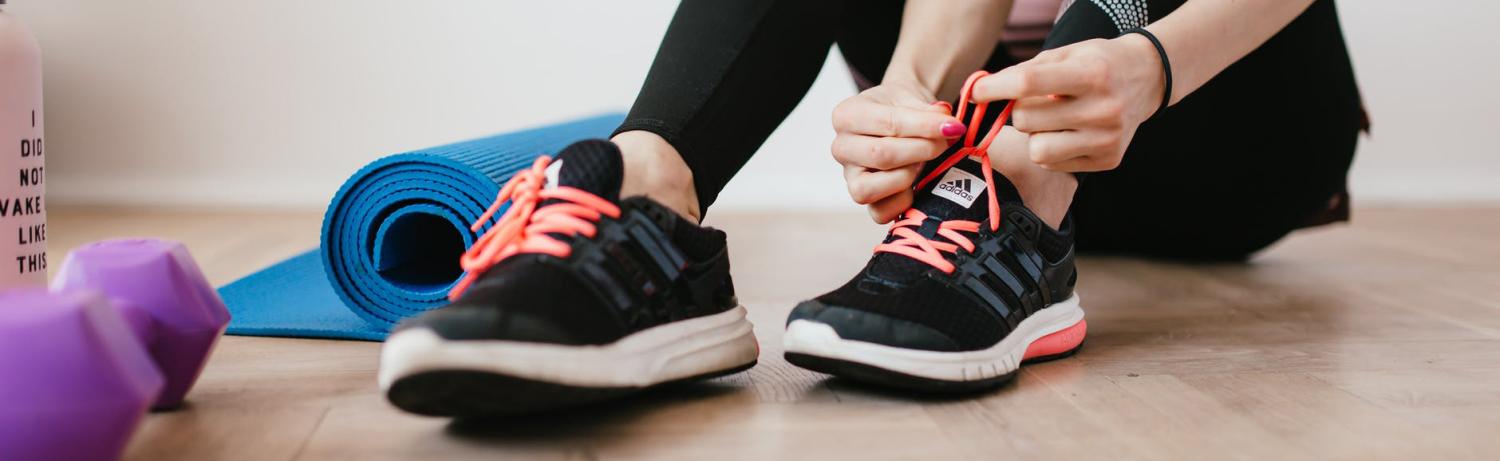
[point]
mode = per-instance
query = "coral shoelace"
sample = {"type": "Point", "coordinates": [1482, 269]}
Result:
{"type": "Point", "coordinates": [915, 246]}
{"type": "Point", "coordinates": [524, 228]}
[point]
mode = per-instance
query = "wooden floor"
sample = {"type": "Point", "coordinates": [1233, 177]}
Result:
{"type": "Point", "coordinates": [1379, 340]}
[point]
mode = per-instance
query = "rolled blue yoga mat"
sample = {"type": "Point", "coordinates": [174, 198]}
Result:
{"type": "Point", "coordinates": [391, 238]}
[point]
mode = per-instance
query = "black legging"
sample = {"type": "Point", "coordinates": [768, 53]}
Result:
{"type": "Point", "coordinates": [1258, 151]}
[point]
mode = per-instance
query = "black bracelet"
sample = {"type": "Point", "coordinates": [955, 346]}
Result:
{"type": "Point", "coordinates": [1166, 66]}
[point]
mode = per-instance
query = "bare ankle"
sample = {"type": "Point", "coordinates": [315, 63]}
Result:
{"type": "Point", "coordinates": [1049, 196]}
{"type": "Point", "coordinates": [654, 169]}
{"type": "Point", "coordinates": [1047, 193]}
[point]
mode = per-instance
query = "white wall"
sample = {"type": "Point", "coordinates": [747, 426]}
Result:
{"type": "Point", "coordinates": [275, 102]}
{"type": "Point", "coordinates": [1428, 72]}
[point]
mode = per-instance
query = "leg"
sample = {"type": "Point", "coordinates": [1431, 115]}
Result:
{"type": "Point", "coordinates": [727, 73]}
{"type": "Point", "coordinates": [1049, 193]}
{"type": "Point", "coordinates": [1257, 152]}
{"type": "Point", "coordinates": [584, 275]}
{"type": "Point", "coordinates": [1006, 297]}
{"type": "Point", "coordinates": [1199, 159]}
{"type": "Point", "coordinates": [694, 126]}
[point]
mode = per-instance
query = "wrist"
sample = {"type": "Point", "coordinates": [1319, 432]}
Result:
{"type": "Point", "coordinates": [1147, 70]}
{"type": "Point", "coordinates": [907, 78]}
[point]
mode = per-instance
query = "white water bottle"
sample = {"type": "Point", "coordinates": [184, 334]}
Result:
{"type": "Point", "coordinates": [23, 220]}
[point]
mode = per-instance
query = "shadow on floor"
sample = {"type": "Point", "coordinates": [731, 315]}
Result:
{"type": "Point", "coordinates": [587, 421]}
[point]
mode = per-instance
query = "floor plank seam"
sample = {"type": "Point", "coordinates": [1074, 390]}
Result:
{"type": "Point", "coordinates": [297, 455]}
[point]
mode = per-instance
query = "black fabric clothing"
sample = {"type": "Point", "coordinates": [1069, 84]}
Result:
{"type": "Point", "coordinates": [1257, 152]}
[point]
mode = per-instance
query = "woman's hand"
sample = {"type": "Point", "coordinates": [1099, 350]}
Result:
{"type": "Point", "coordinates": [1081, 103]}
{"type": "Point", "coordinates": [884, 134]}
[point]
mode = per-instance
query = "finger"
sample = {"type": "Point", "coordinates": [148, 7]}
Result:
{"type": "Point", "coordinates": [1084, 164]}
{"type": "Point", "coordinates": [873, 119]}
{"type": "Point", "coordinates": [884, 153]}
{"type": "Point", "coordinates": [1046, 113]}
{"type": "Point", "coordinates": [1067, 77]}
{"type": "Point", "coordinates": [887, 209]}
{"type": "Point", "coordinates": [949, 130]}
{"type": "Point", "coordinates": [1056, 147]}
{"type": "Point", "coordinates": [867, 187]}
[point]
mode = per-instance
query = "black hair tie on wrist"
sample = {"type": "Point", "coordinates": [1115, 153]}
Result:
{"type": "Point", "coordinates": [1166, 66]}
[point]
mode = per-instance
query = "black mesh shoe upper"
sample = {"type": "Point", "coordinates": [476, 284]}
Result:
{"type": "Point", "coordinates": [1022, 267]}
{"type": "Point", "coordinates": [645, 268]}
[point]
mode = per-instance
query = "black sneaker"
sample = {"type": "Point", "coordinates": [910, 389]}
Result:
{"type": "Point", "coordinates": [574, 296]}
{"type": "Point", "coordinates": [964, 290]}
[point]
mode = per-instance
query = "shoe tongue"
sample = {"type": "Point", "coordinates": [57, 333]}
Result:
{"type": "Point", "coordinates": [959, 193]}
{"type": "Point", "coordinates": [592, 165]}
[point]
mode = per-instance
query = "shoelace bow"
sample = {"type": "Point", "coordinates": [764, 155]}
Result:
{"type": "Point", "coordinates": [524, 228]}
{"type": "Point", "coordinates": [912, 244]}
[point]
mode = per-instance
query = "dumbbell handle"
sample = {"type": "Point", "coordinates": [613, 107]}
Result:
{"type": "Point", "coordinates": [141, 323]}
{"type": "Point", "coordinates": [178, 351]}
{"type": "Point", "coordinates": [155, 285]}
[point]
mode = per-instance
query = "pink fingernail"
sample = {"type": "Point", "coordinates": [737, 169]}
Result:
{"type": "Point", "coordinates": [953, 129]}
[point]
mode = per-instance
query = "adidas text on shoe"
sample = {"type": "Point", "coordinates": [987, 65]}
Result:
{"type": "Point", "coordinates": [964, 290]}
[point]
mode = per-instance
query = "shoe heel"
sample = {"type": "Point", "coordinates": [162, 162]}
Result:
{"type": "Point", "coordinates": [1059, 344]}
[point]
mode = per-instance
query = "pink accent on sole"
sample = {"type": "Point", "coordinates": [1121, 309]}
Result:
{"type": "Point", "coordinates": [1062, 341]}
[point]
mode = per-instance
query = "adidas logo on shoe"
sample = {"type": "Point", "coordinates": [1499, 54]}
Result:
{"type": "Point", "coordinates": [960, 187]}
{"type": "Point", "coordinates": [957, 298]}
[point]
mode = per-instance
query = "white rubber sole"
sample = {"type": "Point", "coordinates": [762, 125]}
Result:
{"type": "Point", "coordinates": [674, 351]}
{"type": "Point", "coordinates": [820, 340]}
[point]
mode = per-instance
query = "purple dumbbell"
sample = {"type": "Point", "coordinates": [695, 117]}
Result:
{"type": "Point", "coordinates": [75, 382]}
{"type": "Point", "coordinates": [164, 297]}
{"type": "Point", "coordinates": [127, 326]}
